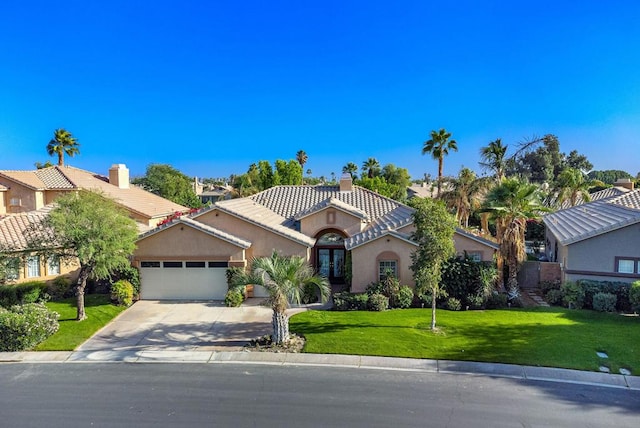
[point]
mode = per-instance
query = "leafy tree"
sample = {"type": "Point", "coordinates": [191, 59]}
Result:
{"type": "Point", "coordinates": [352, 169]}
{"type": "Point", "coordinates": [371, 167]}
{"type": "Point", "coordinates": [511, 204]}
{"type": "Point", "coordinates": [439, 146]}
{"type": "Point", "coordinates": [285, 279]}
{"type": "Point", "coordinates": [577, 161]}
{"type": "Point", "coordinates": [166, 181]}
{"type": "Point", "coordinates": [570, 186]}
{"type": "Point", "coordinates": [63, 143]}
{"type": "Point", "coordinates": [9, 262]}
{"type": "Point", "coordinates": [609, 176]}
{"type": "Point", "coordinates": [265, 175]}
{"type": "Point", "coordinates": [288, 173]}
{"type": "Point", "coordinates": [466, 195]}
{"type": "Point", "coordinates": [40, 165]}
{"type": "Point", "coordinates": [90, 229]}
{"type": "Point", "coordinates": [494, 158]}
{"type": "Point", "coordinates": [434, 229]}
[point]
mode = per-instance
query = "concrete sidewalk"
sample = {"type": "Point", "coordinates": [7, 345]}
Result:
{"type": "Point", "coordinates": [329, 360]}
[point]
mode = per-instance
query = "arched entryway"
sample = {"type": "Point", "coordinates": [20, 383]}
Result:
{"type": "Point", "coordinates": [330, 255]}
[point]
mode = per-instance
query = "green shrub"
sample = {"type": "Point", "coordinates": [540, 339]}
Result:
{"type": "Point", "coordinates": [24, 327]}
{"type": "Point", "coordinates": [546, 286]}
{"type": "Point", "coordinates": [60, 288]}
{"type": "Point", "coordinates": [378, 302]}
{"type": "Point", "coordinates": [554, 297]}
{"type": "Point", "coordinates": [422, 300]}
{"type": "Point", "coordinates": [620, 289]}
{"type": "Point", "coordinates": [234, 297]}
{"type": "Point", "coordinates": [231, 273]}
{"type": "Point", "coordinates": [8, 296]}
{"type": "Point", "coordinates": [604, 302]}
{"type": "Point", "coordinates": [404, 297]}
{"type": "Point", "coordinates": [454, 304]}
{"type": "Point", "coordinates": [346, 301]}
{"type": "Point", "coordinates": [468, 281]}
{"type": "Point", "coordinates": [375, 288]}
{"type": "Point", "coordinates": [634, 296]}
{"type": "Point", "coordinates": [476, 302]}
{"type": "Point", "coordinates": [497, 300]}
{"type": "Point", "coordinates": [309, 294]}
{"type": "Point", "coordinates": [31, 292]}
{"type": "Point", "coordinates": [130, 274]}
{"type": "Point", "coordinates": [122, 293]}
{"type": "Point", "coordinates": [573, 295]}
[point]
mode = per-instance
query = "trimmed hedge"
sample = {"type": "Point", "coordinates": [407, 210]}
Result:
{"type": "Point", "coordinates": [604, 302]}
{"type": "Point", "coordinates": [25, 292]}
{"type": "Point", "coordinates": [468, 281]}
{"type": "Point", "coordinates": [346, 301]}
{"type": "Point", "coordinates": [23, 327]}
{"type": "Point", "coordinates": [581, 294]}
{"type": "Point", "coordinates": [634, 296]}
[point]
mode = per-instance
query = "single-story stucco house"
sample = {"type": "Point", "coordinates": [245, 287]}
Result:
{"type": "Point", "coordinates": [340, 229]}
{"type": "Point", "coordinates": [597, 240]}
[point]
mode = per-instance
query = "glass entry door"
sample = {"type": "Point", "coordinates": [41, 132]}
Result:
{"type": "Point", "coordinates": [331, 264]}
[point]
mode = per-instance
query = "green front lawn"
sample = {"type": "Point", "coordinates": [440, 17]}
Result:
{"type": "Point", "coordinates": [72, 333]}
{"type": "Point", "coordinates": [550, 337]}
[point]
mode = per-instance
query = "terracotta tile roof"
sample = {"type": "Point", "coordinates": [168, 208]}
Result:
{"type": "Point", "coordinates": [477, 238]}
{"type": "Point", "coordinates": [26, 178]}
{"type": "Point", "coordinates": [242, 243]}
{"type": "Point", "coordinates": [133, 198]}
{"type": "Point", "coordinates": [14, 227]}
{"type": "Point", "coordinates": [375, 233]}
{"type": "Point", "coordinates": [54, 178]}
{"type": "Point", "coordinates": [335, 203]}
{"type": "Point", "coordinates": [594, 218]}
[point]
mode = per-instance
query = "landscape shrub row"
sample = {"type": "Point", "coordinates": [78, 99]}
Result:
{"type": "Point", "coordinates": [604, 296]}
{"type": "Point", "coordinates": [20, 294]}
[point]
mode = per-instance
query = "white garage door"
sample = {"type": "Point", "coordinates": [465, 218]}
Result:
{"type": "Point", "coordinates": [190, 280]}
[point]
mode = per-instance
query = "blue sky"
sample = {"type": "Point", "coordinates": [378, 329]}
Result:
{"type": "Point", "coordinates": [212, 86]}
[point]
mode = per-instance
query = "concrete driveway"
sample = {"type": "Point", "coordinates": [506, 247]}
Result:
{"type": "Point", "coordinates": [181, 326]}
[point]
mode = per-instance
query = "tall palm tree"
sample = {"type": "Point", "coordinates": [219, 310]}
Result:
{"type": "Point", "coordinates": [570, 186]}
{"type": "Point", "coordinates": [371, 166]}
{"type": "Point", "coordinates": [439, 146]}
{"type": "Point", "coordinates": [302, 158]}
{"type": "Point", "coordinates": [284, 278]}
{"type": "Point", "coordinates": [511, 204]}
{"type": "Point", "coordinates": [351, 168]}
{"type": "Point", "coordinates": [493, 158]}
{"type": "Point", "coordinates": [63, 143]}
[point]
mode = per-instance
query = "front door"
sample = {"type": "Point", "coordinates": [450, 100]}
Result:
{"type": "Point", "coordinates": [331, 264]}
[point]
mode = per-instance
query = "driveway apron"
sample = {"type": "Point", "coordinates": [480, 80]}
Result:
{"type": "Point", "coordinates": [181, 326]}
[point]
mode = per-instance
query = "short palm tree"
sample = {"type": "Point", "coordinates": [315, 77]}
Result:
{"type": "Point", "coordinates": [284, 279]}
{"type": "Point", "coordinates": [466, 195]}
{"type": "Point", "coordinates": [511, 204]}
{"type": "Point", "coordinates": [439, 146]}
{"type": "Point", "coordinates": [570, 186]}
{"type": "Point", "coordinates": [493, 158]}
{"type": "Point", "coordinates": [371, 166]}
{"type": "Point", "coordinates": [63, 143]}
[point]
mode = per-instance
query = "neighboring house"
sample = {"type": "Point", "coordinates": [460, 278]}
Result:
{"type": "Point", "coordinates": [32, 190]}
{"type": "Point", "coordinates": [342, 230]}
{"type": "Point", "coordinates": [27, 196]}
{"type": "Point", "coordinates": [597, 240]}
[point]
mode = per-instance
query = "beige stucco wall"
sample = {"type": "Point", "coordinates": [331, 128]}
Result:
{"type": "Point", "coordinates": [29, 199]}
{"type": "Point", "coordinates": [463, 243]}
{"type": "Point", "coordinates": [68, 269]}
{"type": "Point", "coordinates": [364, 261]}
{"type": "Point", "coordinates": [3, 201]}
{"type": "Point", "coordinates": [263, 242]}
{"type": "Point", "coordinates": [182, 242]}
{"type": "Point", "coordinates": [331, 218]}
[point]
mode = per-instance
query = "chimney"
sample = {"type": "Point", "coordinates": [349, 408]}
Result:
{"type": "Point", "coordinates": [346, 183]}
{"type": "Point", "coordinates": [119, 175]}
{"type": "Point", "coordinates": [624, 182]}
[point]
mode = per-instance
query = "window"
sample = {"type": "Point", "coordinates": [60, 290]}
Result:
{"type": "Point", "coordinates": [53, 266]}
{"type": "Point", "coordinates": [12, 266]}
{"type": "Point", "coordinates": [33, 266]}
{"type": "Point", "coordinates": [196, 264]}
{"type": "Point", "coordinates": [218, 264]}
{"type": "Point", "coordinates": [172, 264]}
{"type": "Point", "coordinates": [387, 267]}
{"type": "Point", "coordinates": [147, 264]}
{"type": "Point", "coordinates": [628, 265]}
{"type": "Point", "coordinates": [476, 256]}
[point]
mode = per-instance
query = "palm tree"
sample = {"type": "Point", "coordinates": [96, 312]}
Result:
{"type": "Point", "coordinates": [493, 158]}
{"type": "Point", "coordinates": [284, 278]}
{"type": "Point", "coordinates": [63, 142]}
{"type": "Point", "coordinates": [371, 166]}
{"type": "Point", "coordinates": [302, 158]}
{"type": "Point", "coordinates": [511, 204]}
{"type": "Point", "coordinates": [570, 186]}
{"type": "Point", "coordinates": [351, 168]}
{"type": "Point", "coordinates": [439, 146]}
{"type": "Point", "coordinates": [466, 195]}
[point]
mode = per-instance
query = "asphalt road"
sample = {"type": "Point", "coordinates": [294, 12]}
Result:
{"type": "Point", "coordinates": [235, 395]}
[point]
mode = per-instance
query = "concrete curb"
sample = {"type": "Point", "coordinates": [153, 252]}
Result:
{"type": "Point", "coordinates": [527, 373]}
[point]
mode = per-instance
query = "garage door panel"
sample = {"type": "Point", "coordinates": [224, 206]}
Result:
{"type": "Point", "coordinates": [182, 283]}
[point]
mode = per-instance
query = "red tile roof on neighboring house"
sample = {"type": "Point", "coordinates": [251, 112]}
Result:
{"type": "Point", "coordinates": [14, 227]}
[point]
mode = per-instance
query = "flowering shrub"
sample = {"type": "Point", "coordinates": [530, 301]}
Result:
{"type": "Point", "coordinates": [378, 302]}
{"type": "Point", "coordinates": [23, 327]}
{"type": "Point", "coordinates": [176, 215]}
